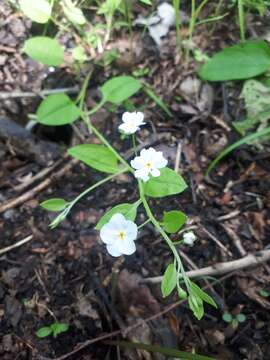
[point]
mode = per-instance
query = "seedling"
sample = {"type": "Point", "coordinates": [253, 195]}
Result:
{"type": "Point", "coordinates": [54, 329]}
{"type": "Point", "coordinates": [234, 320]}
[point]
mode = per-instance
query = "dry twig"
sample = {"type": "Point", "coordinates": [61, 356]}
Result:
{"type": "Point", "coordinates": [223, 267]}
{"type": "Point", "coordinates": [17, 244]}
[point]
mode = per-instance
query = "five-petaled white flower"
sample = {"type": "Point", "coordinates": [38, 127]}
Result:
{"type": "Point", "coordinates": [189, 238]}
{"type": "Point", "coordinates": [119, 235]}
{"type": "Point", "coordinates": [148, 163]}
{"type": "Point", "coordinates": [131, 122]}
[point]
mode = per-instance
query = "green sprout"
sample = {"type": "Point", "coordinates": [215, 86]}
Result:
{"type": "Point", "coordinates": [54, 329]}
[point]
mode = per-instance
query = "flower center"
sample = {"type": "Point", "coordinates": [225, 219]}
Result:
{"type": "Point", "coordinates": [148, 165]}
{"type": "Point", "coordinates": [121, 235]}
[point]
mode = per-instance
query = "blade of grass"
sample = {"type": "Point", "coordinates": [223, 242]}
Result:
{"type": "Point", "coordinates": [157, 100]}
{"type": "Point", "coordinates": [160, 349]}
{"type": "Point", "coordinates": [227, 150]}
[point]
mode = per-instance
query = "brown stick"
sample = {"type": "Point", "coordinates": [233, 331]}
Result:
{"type": "Point", "coordinates": [43, 185]}
{"type": "Point", "coordinates": [17, 244]}
{"type": "Point", "coordinates": [223, 267]}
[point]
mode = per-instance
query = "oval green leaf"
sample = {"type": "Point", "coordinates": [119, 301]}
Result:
{"type": "Point", "coordinates": [173, 221]}
{"type": "Point", "coordinates": [169, 280]}
{"type": "Point", "coordinates": [44, 332]}
{"type": "Point", "coordinates": [168, 183]}
{"type": "Point", "coordinates": [56, 110]}
{"type": "Point", "coordinates": [38, 11]}
{"type": "Point", "coordinates": [120, 88]}
{"type": "Point", "coordinates": [96, 156]}
{"type": "Point", "coordinates": [128, 210]}
{"type": "Point", "coordinates": [73, 13]}
{"type": "Point", "coordinates": [45, 50]}
{"type": "Point", "coordinates": [237, 62]}
{"type": "Point", "coordinates": [58, 328]}
{"type": "Point", "coordinates": [56, 204]}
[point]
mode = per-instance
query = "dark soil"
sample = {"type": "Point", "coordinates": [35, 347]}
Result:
{"type": "Point", "coordinates": [66, 274]}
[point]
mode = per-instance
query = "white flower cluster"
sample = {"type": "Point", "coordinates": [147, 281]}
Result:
{"type": "Point", "coordinates": [119, 233]}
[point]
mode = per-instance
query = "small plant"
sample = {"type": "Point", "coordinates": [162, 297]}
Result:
{"type": "Point", "coordinates": [54, 329]}
{"type": "Point", "coordinates": [234, 320]}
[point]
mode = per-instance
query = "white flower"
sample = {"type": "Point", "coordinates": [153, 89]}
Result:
{"type": "Point", "coordinates": [131, 122]}
{"type": "Point", "coordinates": [119, 235]}
{"type": "Point", "coordinates": [149, 162]}
{"type": "Point", "coordinates": [189, 238]}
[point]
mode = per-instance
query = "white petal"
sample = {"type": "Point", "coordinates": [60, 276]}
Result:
{"type": "Point", "coordinates": [126, 116]}
{"type": "Point", "coordinates": [113, 250]}
{"type": "Point", "coordinates": [137, 163]}
{"type": "Point", "coordinates": [127, 247]}
{"type": "Point", "coordinates": [128, 128]}
{"type": "Point", "coordinates": [142, 174]}
{"type": "Point", "coordinates": [131, 230]}
{"type": "Point", "coordinates": [108, 233]}
{"type": "Point", "coordinates": [155, 172]}
{"type": "Point", "coordinates": [139, 118]}
{"type": "Point", "coordinates": [118, 220]}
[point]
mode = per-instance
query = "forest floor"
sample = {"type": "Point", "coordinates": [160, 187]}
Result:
{"type": "Point", "coordinates": [66, 274]}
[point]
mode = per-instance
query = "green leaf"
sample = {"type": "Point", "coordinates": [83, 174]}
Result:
{"type": "Point", "coordinates": [45, 50]}
{"type": "Point", "coordinates": [59, 328]}
{"type": "Point", "coordinates": [229, 149]}
{"type": "Point", "coordinates": [120, 88]}
{"type": "Point", "coordinates": [128, 210]}
{"type": "Point", "coordinates": [56, 204]}
{"type": "Point", "coordinates": [198, 292]}
{"type": "Point", "coordinates": [169, 280]}
{"type": "Point", "coordinates": [73, 13]}
{"type": "Point", "coordinates": [171, 352]}
{"type": "Point", "coordinates": [168, 183]}
{"type": "Point", "coordinates": [38, 11]}
{"type": "Point", "coordinates": [227, 317]}
{"type": "Point", "coordinates": [196, 306]}
{"type": "Point", "coordinates": [237, 62]}
{"type": "Point", "coordinates": [241, 318]}
{"type": "Point", "coordinates": [96, 156]}
{"type": "Point", "coordinates": [147, 2]}
{"type": "Point", "coordinates": [57, 109]}
{"type": "Point", "coordinates": [173, 221]}
{"type": "Point", "coordinates": [44, 332]}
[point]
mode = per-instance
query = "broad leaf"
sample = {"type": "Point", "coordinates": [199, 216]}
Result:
{"type": "Point", "coordinates": [196, 306]}
{"type": "Point", "coordinates": [73, 13]}
{"type": "Point", "coordinates": [96, 156]}
{"type": "Point", "coordinates": [44, 332]}
{"type": "Point", "coordinates": [237, 62]}
{"type": "Point", "coordinates": [128, 210]}
{"type": "Point", "coordinates": [168, 183]}
{"type": "Point", "coordinates": [59, 328]}
{"type": "Point", "coordinates": [38, 10]}
{"type": "Point", "coordinates": [169, 280]}
{"type": "Point", "coordinates": [45, 50]}
{"type": "Point", "coordinates": [119, 89]}
{"type": "Point", "coordinates": [57, 109]}
{"type": "Point", "coordinates": [55, 204]}
{"type": "Point", "coordinates": [173, 221]}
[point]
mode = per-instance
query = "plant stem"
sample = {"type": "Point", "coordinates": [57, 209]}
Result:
{"type": "Point", "coordinates": [144, 223]}
{"type": "Point", "coordinates": [105, 142]}
{"type": "Point", "coordinates": [241, 16]}
{"type": "Point", "coordinates": [176, 5]}
{"type": "Point", "coordinates": [92, 187]}
{"type": "Point", "coordinates": [163, 233]}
